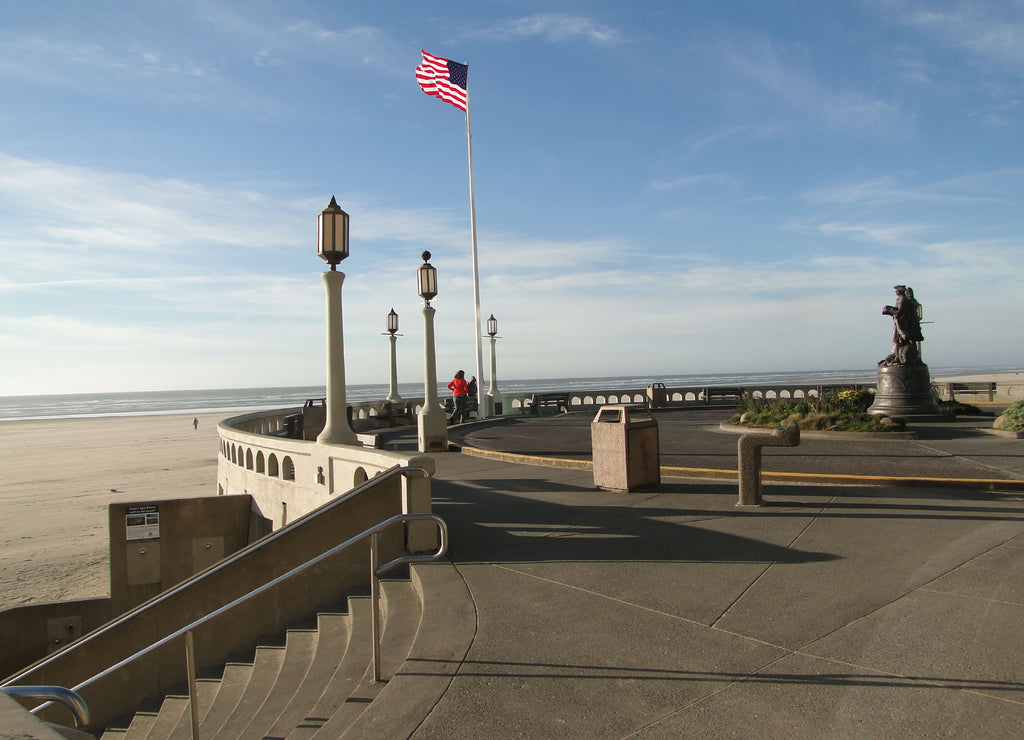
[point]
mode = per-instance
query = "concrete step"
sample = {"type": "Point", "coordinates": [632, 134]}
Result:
{"type": "Point", "coordinates": [171, 710]}
{"type": "Point", "coordinates": [446, 632]}
{"type": "Point", "coordinates": [207, 687]}
{"type": "Point", "coordinates": [265, 669]}
{"type": "Point", "coordinates": [347, 675]}
{"type": "Point", "coordinates": [232, 685]}
{"type": "Point", "coordinates": [400, 608]}
{"type": "Point", "coordinates": [132, 728]}
{"type": "Point", "coordinates": [300, 647]}
{"type": "Point", "coordinates": [333, 629]}
{"type": "Point", "coordinates": [319, 683]}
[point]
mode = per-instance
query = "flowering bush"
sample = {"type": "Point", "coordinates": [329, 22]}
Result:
{"type": "Point", "coordinates": [852, 401]}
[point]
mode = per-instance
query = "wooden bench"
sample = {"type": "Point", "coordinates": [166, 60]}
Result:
{"type": "Point", "coordinates": [731, 395]}
{"type": "Point", "coordinates": [979, 391]}
{"type": "Point", "coordinates": [550, 402]}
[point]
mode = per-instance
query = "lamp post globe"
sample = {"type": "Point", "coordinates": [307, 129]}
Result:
{"type": "Point", "coordinates": [332, 236]}
{"type": "Point", "coordinates": [426, 279]}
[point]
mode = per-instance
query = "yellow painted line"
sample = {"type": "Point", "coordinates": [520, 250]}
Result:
{"type": "Point", "coordinates": [984, 484]}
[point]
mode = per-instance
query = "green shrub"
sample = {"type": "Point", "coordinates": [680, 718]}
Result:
{"type": "Point", "coordinates": [1012, 419]}
{"type": "Point", "coordinates": [959, 409]}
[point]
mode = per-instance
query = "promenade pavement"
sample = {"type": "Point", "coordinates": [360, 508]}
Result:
{"type": "Point", "coordinates": [834, 610]}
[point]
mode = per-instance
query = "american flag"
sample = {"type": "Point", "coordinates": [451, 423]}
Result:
{"type": "Point", "coordinates": [444, 79]}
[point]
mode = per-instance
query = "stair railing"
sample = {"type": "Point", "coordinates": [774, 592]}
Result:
{"type": "Point", "coordinates": [376, 572]}
{"type": "Point", "coordinates": [67, 697]}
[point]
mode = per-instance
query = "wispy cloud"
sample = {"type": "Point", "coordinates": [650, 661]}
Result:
{"type": "Point", "coordinates": [717, 179]}
{"type": "Point", "coordinates": [966, 190]}
{"type": "Point", "coordinates": [177, 67]}
{"type": "Point", "coordinates": [552, 27]}
{"type": "Point", "coordinates": [796, 91]}
{"type": "Point", "coordinates": [986, 30]}
{"type": "Point", "coordinates": [980, 45]}
{"type": "Point", "coordinates": [883, 234]}
{"type": "Point", "coordinates": [113, 218]}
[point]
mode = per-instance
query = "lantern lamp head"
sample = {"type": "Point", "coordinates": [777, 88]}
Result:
{"type": "Point", "coordinates": [392, 322]}
{"type": "Point", "coordinates": [426, 279]}
{"type": "Point", "coordinates": [492, 326]}
{"type": "Point", "coordinates": [332, 240]}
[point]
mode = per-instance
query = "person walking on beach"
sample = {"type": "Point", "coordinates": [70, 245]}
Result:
{"type": "Point", "coordinates": [460, 390]}
{"type": "Point", "coordinates": [195, 423]}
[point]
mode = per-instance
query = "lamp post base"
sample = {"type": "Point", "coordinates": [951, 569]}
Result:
{"type": "Point", "coordinates": [494, 404]}
{"type": "Point", "coordinates": [432, 432]}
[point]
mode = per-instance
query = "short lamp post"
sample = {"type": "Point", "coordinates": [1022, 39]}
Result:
{"type": "Point", "coordinates": [432, 429]}
{"type": "Point", "coordinates": [392, 334]}
{"type": "Point", "coordinates": [332, 246]}
{"type": "Point", "coordinates": [495, 405]}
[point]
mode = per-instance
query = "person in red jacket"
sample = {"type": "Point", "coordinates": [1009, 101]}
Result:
{"type": "Point", "coordinates": [460, 391]}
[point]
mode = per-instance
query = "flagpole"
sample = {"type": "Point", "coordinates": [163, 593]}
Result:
{"type": "Point", "coordinates": [481, 407]}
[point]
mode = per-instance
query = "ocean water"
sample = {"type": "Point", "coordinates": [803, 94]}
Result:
{"type": "Point", "coordinates": [144, 403]}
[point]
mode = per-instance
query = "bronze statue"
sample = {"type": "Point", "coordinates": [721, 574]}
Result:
{"type": "Point", "coordinates": [906, 334]}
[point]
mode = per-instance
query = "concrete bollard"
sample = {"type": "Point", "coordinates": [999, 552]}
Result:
{"type": "Point", "coordinates": [750, 459]}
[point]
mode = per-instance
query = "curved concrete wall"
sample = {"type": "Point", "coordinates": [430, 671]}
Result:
{"type": "Point", "coordinates": [289, 477]}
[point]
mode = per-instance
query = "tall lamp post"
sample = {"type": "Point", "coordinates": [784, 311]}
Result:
{"type": "Point", "coordinates": [332, 246]}
{"type": "Point", "coordinates": [495, 406]}
{"type": "Point", "coordinates": [432, 430]}
{"type": "Point", "coordinates": [392, 334]}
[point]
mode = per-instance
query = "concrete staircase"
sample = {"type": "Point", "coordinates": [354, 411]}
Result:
{"type": "Point", "coordinates": [317, 683]}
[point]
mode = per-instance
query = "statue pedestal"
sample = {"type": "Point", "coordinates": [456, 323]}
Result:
{"type": "Point", "coordinates": [905, 392]}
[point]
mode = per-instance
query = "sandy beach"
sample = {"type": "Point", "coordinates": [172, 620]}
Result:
{"type": "Point", "coordinates": [60, 475]}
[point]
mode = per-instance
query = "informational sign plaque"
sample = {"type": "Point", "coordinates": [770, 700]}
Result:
{"type": "Point", "coordinates": [142, 522]}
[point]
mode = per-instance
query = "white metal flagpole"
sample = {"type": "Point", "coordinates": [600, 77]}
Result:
{"type": "Point", "coordinates": [481, 409]}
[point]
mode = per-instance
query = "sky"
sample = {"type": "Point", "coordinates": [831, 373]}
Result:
{"type": "Point", "coordinates": [661, 188]}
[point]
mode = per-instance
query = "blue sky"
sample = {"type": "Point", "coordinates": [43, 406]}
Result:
{"type": "Point", "coordinates": [661, 187]}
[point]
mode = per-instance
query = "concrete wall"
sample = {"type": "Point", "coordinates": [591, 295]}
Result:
{"type": "Point", "coordinates": [1003, 392]}
{"type": "Point", "coordinates": [193, 535]}
{"type": "Point", "coordinates": [290, 477]}
{"type": "Point", "coordinates": [967, 392]}
{"type": "Point", "coordinates": [29, 632]}
{"type": "Point", "coordinates": [190, 536]}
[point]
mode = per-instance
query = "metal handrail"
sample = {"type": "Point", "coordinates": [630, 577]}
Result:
{"type": "Point", "coordinates": [230, 560]}
{"type": "Point", "coordinates": [67, 697]}
{"type": "Point", "coordinates": [375, 574]}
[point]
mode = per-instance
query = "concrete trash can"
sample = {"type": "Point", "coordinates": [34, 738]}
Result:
{"type": "Point", "coordinates": [657, 396]}
{"type": "Point", "coordinates": [624, 442]}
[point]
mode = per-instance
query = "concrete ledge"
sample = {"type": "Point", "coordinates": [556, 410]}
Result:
{"type": "Point", "coordinates": [727, 426]}
{"type": "Point", "coordinates": [1002, 433]}
{"type": "Point", "coordinates": [513, 457]}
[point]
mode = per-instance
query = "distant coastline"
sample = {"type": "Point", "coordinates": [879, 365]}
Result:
{"type": "Point", "coordinates": [155, 403]}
